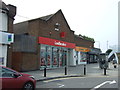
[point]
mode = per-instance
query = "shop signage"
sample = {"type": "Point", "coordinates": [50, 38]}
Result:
{"type": "Point", "coordinates": [59, 43]}
{"type": "Point", "coordinates": [82, 49]}
{"type": "Point", "coordinates": [54, 42]}
{"type": "Point", "coordinates": [6, 38]}
{"type": "Point", "coordinates": [62, 34]}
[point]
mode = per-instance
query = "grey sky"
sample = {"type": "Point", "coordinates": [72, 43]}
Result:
{"type": "Point", "coordinates": [97, 19]}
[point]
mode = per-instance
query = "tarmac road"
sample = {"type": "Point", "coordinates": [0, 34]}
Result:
{"type": "Point", "coordinates": [91, 81]}
{"type": "Point", "coordinates": [81, 83]}
{"type": "Point", "coordinates": [75, 79]}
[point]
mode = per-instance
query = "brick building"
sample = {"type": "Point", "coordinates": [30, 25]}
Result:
{"type": "Point", "coordinates": [45, 42]}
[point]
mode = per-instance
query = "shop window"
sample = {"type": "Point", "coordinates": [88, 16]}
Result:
{"type": "Point", "coordinates": [42, 56]}
{"type": "Point", "coordinates": [57, 26]}
{"type": "Point", "coordinates": [55, 56]}
{"type": "Point", "coordinates": [48, 53]}
{"type": "Point", "coordinates": [52, 56]}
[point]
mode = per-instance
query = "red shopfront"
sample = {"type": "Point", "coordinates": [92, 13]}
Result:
{"type": "Point", "coordinates": [54, 53]}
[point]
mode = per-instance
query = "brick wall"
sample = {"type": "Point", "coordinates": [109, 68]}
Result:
{"type": "Point", "coordinates": [39, 27]}
{"type": "Point", "coordinates": [30, 61]}
{"type": "Point", "coordinates": [83, 43]}
{"type": "Point", "coordinates": [49, 27]}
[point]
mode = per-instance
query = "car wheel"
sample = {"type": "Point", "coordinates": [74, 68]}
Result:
{"type": "Point", "coordinates": [28, 86]}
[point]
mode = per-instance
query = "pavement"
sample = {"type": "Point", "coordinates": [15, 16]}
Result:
{"type": "Point", "coordinates": [92, 70]}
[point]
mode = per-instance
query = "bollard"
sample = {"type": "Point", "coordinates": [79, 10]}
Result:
{"type": "Point", "coordinates": [104, 71]}
{"type": "Point", "coordinates": [84, 69]}
{"type": "Point", "coordinates": [45, 72]}
{"type": "Point", "coordinates": [65, 70]}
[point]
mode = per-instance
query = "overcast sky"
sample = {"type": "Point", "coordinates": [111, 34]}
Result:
{"type": "Point", "coordinates": [97, 19]}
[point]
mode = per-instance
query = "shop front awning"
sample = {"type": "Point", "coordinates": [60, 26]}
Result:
{"type": "Point", "coordinates": [82, 49]}
{"type": "Point", "coordinates": [54, 42]}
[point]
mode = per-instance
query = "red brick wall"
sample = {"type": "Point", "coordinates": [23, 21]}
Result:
{"type": "Point", "coordinates": [83, 43]}
{"type": "Point", "coordinates": [48, 27]}
{"type": "Point", "coordinates": [29, 61]}
{"type": "Point", "coordinates": [17, 61]}
{"type": "Point", "coordinates": [25, 61]}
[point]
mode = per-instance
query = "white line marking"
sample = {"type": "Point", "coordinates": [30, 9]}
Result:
{"type": "Point", "coordinates": [61, 85]}
{"type": "Point", "coordinates": [61, 79]}
{"type": "Point", "coordinates": [98, 86]}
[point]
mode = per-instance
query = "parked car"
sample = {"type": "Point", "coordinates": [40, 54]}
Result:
{"type": "Point", "coordinates": [12, 79]}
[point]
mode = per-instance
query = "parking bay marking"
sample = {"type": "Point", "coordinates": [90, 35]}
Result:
{"type": "Point", "coordinates": [61, 79]}
{"type": "Point", "coordinates": [98, 86]}
{"type": "Point", "coordinates": [60, 85]}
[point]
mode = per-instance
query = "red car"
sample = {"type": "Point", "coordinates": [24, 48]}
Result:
{"type": "Point", "coordinates": [12, 79]}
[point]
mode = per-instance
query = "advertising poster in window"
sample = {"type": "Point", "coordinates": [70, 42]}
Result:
{"type": "Point", "coordinates": [42, 57]}
{"type": "Point", "coordinates": [54, 56]}
{"type": "Point", "coordinates": [48, 56]}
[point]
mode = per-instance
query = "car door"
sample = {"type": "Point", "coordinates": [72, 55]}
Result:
{"type": "Point", "coordinates": [8, 80]}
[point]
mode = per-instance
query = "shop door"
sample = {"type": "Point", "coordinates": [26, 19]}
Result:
{"type": "Point", "coordinates": [64, 57]}
{"type": "Point", "coordinates": [59, 57]}
{"type": "Point", "coordinates": [48, 56]}
{"type": "Point", "coordinates": [54, 57]}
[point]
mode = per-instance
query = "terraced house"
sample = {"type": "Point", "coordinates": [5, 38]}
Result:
{"type": "Point", "coordinates": [7, 14]}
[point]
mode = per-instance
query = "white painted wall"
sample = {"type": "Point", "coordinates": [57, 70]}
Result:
{"type": "Point", "coordinates": [79, 57]}
{"type": "Point", "coordinates": [4, 21]}
{"type": "Point", "coordinates": [72, 60]}
{"type": "Point", "coordinates": [3, 54]}
{"type": "Point", "coordinates": [3, 37]}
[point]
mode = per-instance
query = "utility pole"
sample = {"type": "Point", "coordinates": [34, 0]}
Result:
{"type": "Point", "coordinates": [107, 45]}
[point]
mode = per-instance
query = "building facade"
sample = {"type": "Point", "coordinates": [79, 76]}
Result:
{"type": "Point", "coordinates": [44, 42]}
{"type": "Point", "coordinates": [7, 14]}
{"type": "Point", "coordinates": [82, 48]}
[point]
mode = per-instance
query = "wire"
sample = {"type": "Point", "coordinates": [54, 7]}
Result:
{"type": "Point", "coordinates": [22, 16]}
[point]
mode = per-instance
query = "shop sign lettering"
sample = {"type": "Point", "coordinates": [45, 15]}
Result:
{"type": "Point", "coordinates": [59, 43]}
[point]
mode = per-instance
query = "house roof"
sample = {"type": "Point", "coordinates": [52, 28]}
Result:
{"type": "Point", "coordinates": [46, 17]}
{"type": "Point", "coordinates": [3, 6]}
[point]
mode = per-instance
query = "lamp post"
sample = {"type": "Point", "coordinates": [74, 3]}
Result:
{"type": "Point", "coordinates": [107, 45]}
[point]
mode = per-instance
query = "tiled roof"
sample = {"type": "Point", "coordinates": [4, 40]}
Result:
{"type": "Point", "coordinates": [46, 17]}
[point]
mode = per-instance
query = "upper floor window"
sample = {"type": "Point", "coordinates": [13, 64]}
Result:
{"type": "Point", "coordinates": [57, 25]}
